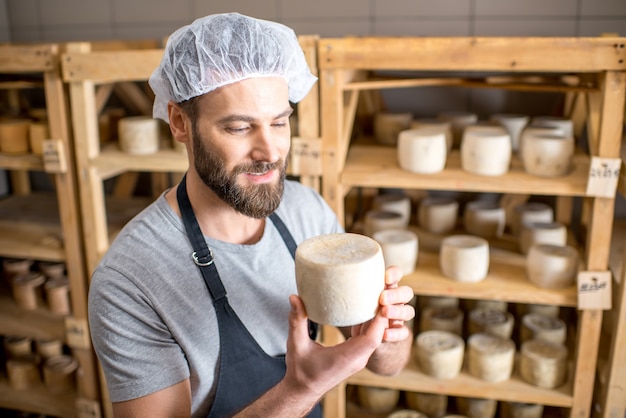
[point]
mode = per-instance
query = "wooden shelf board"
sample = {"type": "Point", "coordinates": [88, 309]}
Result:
{"type": "Point", "coordinates": [377, 166]}
{"type": "Point", "coordinates": [37, 400]}
{"type": "Point", "coordinates": [14, 85]}
{"type": "Point", "coordinates": [115, 161]}
{"type": "Point", "coordinates": [21, 162]}
{"type": "Point", "coordinates": [30, 227]}
{"type": "Point", "coordinates": [508, 54]}
{"type": "Point", "coordinates": [506, 281]}
{"type": "Point", "coordinates": [39, 323]}
{"type": "Point", "coordinates": [514, 389]}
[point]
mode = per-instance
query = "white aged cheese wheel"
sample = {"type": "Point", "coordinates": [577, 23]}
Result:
{"type": "Point", "coordinates": [543, 363]}
{"type": "Point", "coordinates": [530, 212]}
{"type": "Point", "coordinates": [400, 248]}
{"type": "Point", "coordinates": [340, 278]}
{"type": "Point", "coordinates": [484, 219]}
{"type": "Point", "coordinates": [541, 327]}
{"type": "Point", "coordinates": [477, 407]}
{"type": "Point", "coordinates": [387, 126]}
{"type": "Point", "coordinates": [431, 404]}
{"type": "Point", "coordinates": [490, 358]}
{"type": "Point", "coordinates": [14, 135]}
{"type": "Point", "coordinates": [548, 155]}
{"type": "Point", "coordinates": [443, 126]}
{"type": "Point", "coordinates": [139, 135]}
{"type": "Point", "coordinates": [521, 410]}
{"type": "Point", "coordinates": [442, 319]}
{"type": "Point", "coordinates": [514, 124]}
{"type": "Point", "coordinates": [494, 322]}
{"type": "Point", "coordinates": [394, 202]}
{"type": "Point", "coordinates": [379, 220]}
{"type": "Point", "coordinates": [486, 150]}
{"type": "Point", "coordinates": [542, 233]}
{"type": "Point", "coordinates": [422, 150]}
{"type": "Point", "coordinates": [459, 120]}
{"type": "Point", "coordinates": [376, 399]}
{"type": "Point", "coordinates": [406, 413]}
{"type": "Point", "coordinates": [439, 353]}
{"type": "Point", "coordinates": [552, 266]}
{"type": "Point", "coordinates": [464, 258]}
{"type": "Point", "coordinates": [438, 215]}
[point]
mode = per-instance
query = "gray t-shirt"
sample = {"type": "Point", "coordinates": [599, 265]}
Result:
{"type": "Point", "coordinates": [151, 316]}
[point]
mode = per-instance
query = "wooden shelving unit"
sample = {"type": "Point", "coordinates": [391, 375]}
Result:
{"type": "Point", "coordinates": [351, 66]}
{"type": "Point", "coordinates": [46, 226]}
{"type": "Point", "coordinates": [93, 72]}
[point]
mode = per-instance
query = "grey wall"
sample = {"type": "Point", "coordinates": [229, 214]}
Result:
{"type": "Point", "coordinates": [89, 20]}
{"type": "Point", "coordinates": [4, 22]}
{"type": "Point", "coordinates": [78, 20]}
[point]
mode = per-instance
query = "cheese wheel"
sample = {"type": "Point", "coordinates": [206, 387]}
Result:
{"type": "Point", "coordinates": [387, 126]}
{"type": "Point", "coordinates": [422, 150]}
{"type": "Point", "coordinates": [486, 150]}
{"type": "Point", "coordinates": [431, 404]}
{"type": "Point", "coordinates": [442, 319]}
{"type": "Point", "coordinates": [521, 410]}
{"type": "Point", "coordinates": [400, 248]}
{"type": "Point", "coordinates": [464, 258]}
{"type": "Point", "coordinates": [541, 327]}
{"type": "Point", "coordinates": [139, 135]}
{"type": "Point", "coordinates": [543, 363]}
{"type": "Point", "coordinates": [439, 353]}
{"type": "Point", "coordinates": [406, 413]}
{"type": "Point", "coordinates": [380, 220]}
{"type": "Point", "coordinates": [476, 407]}
{"type": "Point", "coordinates": [530, 212]}
{"type": "Point", "coordinates": [490, 358]}
{"type": "Point", "coordinates": [376, 399]}
{"type": "Point", "coordinates": [542, 233]}
{"type": "Point", "coordinates": [394, 202]}
{"type": "Point", "coordinates": [484, 219]}
{"type": "Point", "coordinates": [438, 215]}
{"type": "Point", "coordinates": [552, 266]}
{"type": "Point", "coordinates": [340, 277]}
{"type": "Point", "coordinates": [494, 322]}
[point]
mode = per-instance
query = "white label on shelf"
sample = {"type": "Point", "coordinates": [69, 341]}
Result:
{"type": "Point", "coordinates": [594, 290]}
{"type": "Point", "coordinates": [77, 332]}
{"type": "Point", "coordinates": [306, 156]}
{"type": "Point", "coordinates": [54, 156]}
{"type": "Point", "coordinates": [603, 176]}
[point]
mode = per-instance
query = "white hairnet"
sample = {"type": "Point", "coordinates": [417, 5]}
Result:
{"type": "Point", "coordinates": [221, 49]}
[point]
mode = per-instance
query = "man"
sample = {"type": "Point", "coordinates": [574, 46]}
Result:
{"type": "Point", "coordinates": [193, 309]}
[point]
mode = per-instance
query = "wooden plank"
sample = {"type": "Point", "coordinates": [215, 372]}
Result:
{"type": "Point", "coordinates": [512, 54]}
{"type": "Point", "coordinates": [377, 166]}
{"type": "Point", "coordinates": [38, 400]}
{"type": "Point", "coordinates": [513, 390]}
{"type": "Point", "coordinates": [27, 58]}
{"type": "Point", "coordinates": [110, 66]}
{"type": "Point", "coordinates": [21, 162]}
{"type": "Point", "coordinates": [506, 281]}
{"type": "Point", "coordinates": [166, 160]}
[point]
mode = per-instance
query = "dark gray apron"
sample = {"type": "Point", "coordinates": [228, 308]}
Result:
{"type": "Point", "coordinates": [245, 371]}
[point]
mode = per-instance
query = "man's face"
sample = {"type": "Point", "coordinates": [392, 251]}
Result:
{"type": "Point", "coordinates": [240, 143]}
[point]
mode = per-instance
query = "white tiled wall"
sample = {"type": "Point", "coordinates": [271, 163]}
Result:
{"type": "Point", "coordinates": [64, 20]}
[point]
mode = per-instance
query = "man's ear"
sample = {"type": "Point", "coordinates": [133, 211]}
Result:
{"type": "Point", "coordinates": [180, 125]}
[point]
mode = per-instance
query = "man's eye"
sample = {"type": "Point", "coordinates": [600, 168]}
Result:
{"type": "Point", "coordinates": [237, 130]}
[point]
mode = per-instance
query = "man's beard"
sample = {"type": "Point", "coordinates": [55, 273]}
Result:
{"type": "Point", "coordinates": [255, 201]}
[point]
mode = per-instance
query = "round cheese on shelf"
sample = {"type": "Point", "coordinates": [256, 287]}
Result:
{"type": "Point", "coordinates": [439, 353]}
{"type": "Point", "coordinates": [541, 327]}
{"type": "Point", "coordinates": [490, 321]}
{"type": "Point", "coordinates": [340, 277]}
{"type": "Point", "coordinates": [490, 358]}
{"type": "Point", "coordinates": [543, 363]}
